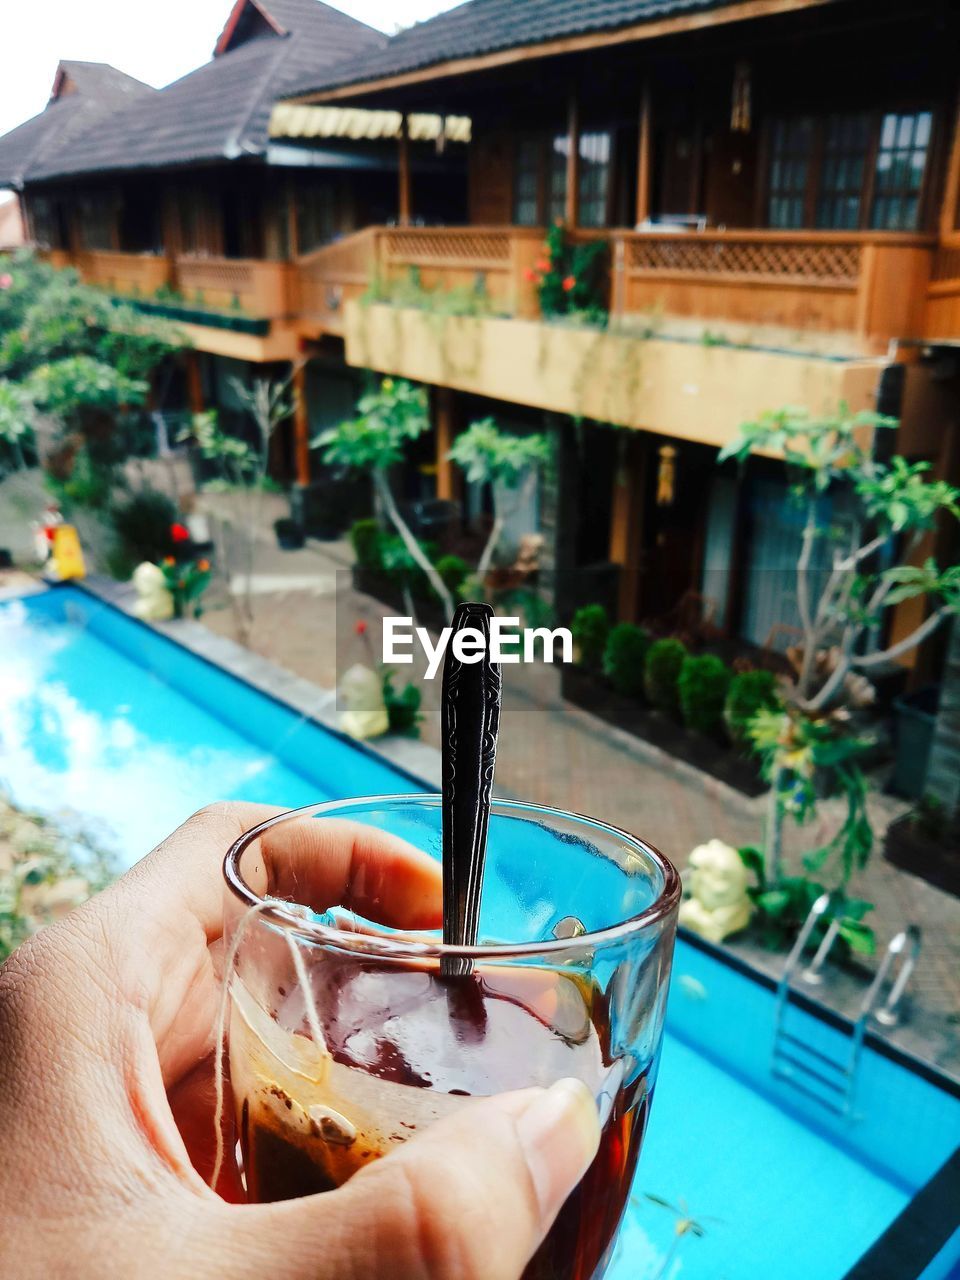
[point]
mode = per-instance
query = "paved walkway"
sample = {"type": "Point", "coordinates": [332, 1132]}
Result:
{"type": "Point", "coordinates": [553, 753]}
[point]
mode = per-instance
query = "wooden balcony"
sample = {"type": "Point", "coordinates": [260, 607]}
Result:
{"type": "Point", "coordinates": [943, 293]}
{"type": "Point", "coordinates": [260, 289]}
{"type": "Point", "coordinates": [870, 287]}
{"type": "Point", "coordinates": [135, 274]}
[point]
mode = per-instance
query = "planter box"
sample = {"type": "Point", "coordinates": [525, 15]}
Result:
{"type": "Point", "coordinates": [912, 849]}
{"type": "Point", "coordinates": [916, 718]}
{"type": "Point", "coordinates": [594, 694]}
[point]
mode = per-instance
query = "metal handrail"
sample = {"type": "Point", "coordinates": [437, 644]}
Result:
{"type": "Point", "coordinates": [905, 947]}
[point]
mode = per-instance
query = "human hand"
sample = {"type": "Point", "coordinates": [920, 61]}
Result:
{"type": "Point", "coordinates": [106, 1100]}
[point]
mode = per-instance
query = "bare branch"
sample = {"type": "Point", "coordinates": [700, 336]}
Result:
{"type": "Point", "coordinates": [909, 642]}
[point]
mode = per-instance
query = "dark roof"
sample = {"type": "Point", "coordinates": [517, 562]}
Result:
{"type": "Point", "coordinates": [100, 89]}
{"type": "Point", "coordinates": [222, 110]}
{"type": "Point", "coordinates": [97, 80]}
{"type": "Point", "coordinates": [486, 26]}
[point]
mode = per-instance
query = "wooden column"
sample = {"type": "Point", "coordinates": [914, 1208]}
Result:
{"type": "Point", "coordinates": [444, 410]}
{"type": "Point", "coordinates": [951, 189]}
{"type": "Point", "coordinates": [572, 207]}
{"type": "Point", "coordinates": [293, 234]}
{"type": "Point", "coordinates": [404, 175]}
{"type": "Point", "coordinates": [644, 150]}
{"type": "Point", "coordinates": [626, 522]}
{"type": "Point", "coordinates": [194, 382]}
{"type": "Point", "coordinates": [301, 424]}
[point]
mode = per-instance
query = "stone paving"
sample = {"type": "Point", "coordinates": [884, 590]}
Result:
{"type": "Point", "coordinates": [553, 753]}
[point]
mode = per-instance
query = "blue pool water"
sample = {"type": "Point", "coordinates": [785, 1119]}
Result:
{"type": "Point", "coordinates": [104, 718]}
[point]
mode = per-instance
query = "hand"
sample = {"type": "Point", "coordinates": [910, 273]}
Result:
{"type": "Point", "coordinates": [106, 1100]}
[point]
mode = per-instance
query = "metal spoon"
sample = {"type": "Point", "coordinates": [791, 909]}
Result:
{"type": "Point", "coordinates": [470, 723]}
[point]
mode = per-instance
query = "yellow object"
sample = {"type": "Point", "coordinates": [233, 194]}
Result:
{"type": "Point", "coordinates": [66, 555]}
{"type": "Point", "coordinates": [290, 120]}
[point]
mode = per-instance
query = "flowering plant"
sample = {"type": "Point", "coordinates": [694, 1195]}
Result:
{"type": "Point", "coordinates": [186, 581]}
{"type": "Point", "coordinates": [570, 277]}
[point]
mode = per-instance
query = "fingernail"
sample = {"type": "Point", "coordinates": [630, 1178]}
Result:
{"type": "Point", "coordinates": [560, 1133]}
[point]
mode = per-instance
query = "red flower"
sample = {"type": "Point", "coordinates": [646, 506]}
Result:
{"type": "Point", "coordinates": [543, 265]}
{"type": "Point", "coordinates": [203, 566]}
{"type": "Point", "coordinates": [530, 275]}
{"type": "Point", "coordinates": [360, 628]}
{"type": "Point", "coordinates": [168, 561]}
{"type": "Point", "coordinates": [179, 533]}
{"type": "Point", "coordinates": [6, 280]}
{"type": "Point", "coordinates": [568, 283]}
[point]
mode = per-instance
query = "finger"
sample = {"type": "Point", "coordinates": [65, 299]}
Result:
{"type": "Point", "coordinates": [425, 1212]}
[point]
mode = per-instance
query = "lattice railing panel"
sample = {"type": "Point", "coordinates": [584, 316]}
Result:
{"type": "Point", "coordinates": [798, 262]}
{"type": "Point", "coordinates": [348, 259]}
{"type": "Point", "coordinates": [946, 264]}
{"type": "Point", "coordinates": [217, 273]}
{"type": "Point", "coordinates": [449, 246]}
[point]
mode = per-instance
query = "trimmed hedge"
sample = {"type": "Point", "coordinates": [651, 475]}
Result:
{"type": "Point", "coordinates": [749, 692]}
{"type": "Point", "coordinates": [624, 656]}
{"type": "Point", "coordinates": [702, 691]}
{"type": "Point", "coordinates": [661, 673]}
{"type": "Point", "coordinates": [590, 629]}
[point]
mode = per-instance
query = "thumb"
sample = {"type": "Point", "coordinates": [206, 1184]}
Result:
{"type": "Point", "coordinates": [471, 1197]}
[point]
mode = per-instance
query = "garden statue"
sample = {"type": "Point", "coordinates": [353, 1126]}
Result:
{"type": "Point", "coordinates": [365, 712]}
{"type": "Point", "coordinates": [154, 598]}
{"type": "Point", "coordinates": [716, 902]}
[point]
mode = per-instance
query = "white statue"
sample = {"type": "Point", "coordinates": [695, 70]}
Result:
{"type": "Point", "coordinates": [715, 884]}
{"type": "Point", "coordinates": [361, 695]}
{"type": "Point", "coordinates": [154, 599]}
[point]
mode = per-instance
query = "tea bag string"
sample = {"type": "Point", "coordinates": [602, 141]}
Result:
{"type": "Point", "coordinates": [310, 1007]}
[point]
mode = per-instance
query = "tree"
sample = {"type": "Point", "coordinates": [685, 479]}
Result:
{"type": "Point", "coordinates": [72, 356]}
{"type": "Point", "coordinates": [893, 505]}
{"type": "Point", "coordinates": [506, 462]}
{"type": "Point", "coordinates": [387, 420]}
{"type": "Point", "coordinates": [244, 471]}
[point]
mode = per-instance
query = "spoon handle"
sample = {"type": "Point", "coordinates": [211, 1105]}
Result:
{"type": "Point", "coordinates": [470, 723]}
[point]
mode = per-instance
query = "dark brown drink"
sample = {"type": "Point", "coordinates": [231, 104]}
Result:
{"type": "Point", "coordinates": [407, 1046]}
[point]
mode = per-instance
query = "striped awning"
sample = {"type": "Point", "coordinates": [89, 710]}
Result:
{"type": "Point", "coordinates": [290, 120]}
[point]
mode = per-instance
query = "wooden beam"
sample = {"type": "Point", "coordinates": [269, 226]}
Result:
{"type": "Point", "coordinates": [301, 424]}
{"type": "Point", "coordinates": [644, 149]}
{"type": "Point", "coordinates": [444, 410]}
{"type": "Point", "coordinates": [712, 17]}
{"type": "Point", "coordinates": [194, 382]}
{"type": "Point", "coordinates": [571, 211]}
{"type": "Point", "coordinates": [951, 189]}
{"type": "Point", "coordinates": [293, 231]}
{"type": "Point", "coordinates": [404, 174]}
{"type": "Point", "coordinates": [626, 521]}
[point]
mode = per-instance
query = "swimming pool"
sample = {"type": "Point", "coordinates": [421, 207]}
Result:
{"type": "Point", "coordinates": [104, 716]}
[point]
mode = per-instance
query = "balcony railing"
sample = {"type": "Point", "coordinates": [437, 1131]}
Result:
{"type": "Point", "coordinates": [943, 292]}
{"type": "Point", "coordinates": [136, 274]}
{"type": "Point", "coordinates": [263, 289]}
{"type": "Point", "coordinates": [869, 285]}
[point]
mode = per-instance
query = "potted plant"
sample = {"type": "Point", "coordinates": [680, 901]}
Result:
{"type": "Point", "coordinates": [289, 534]}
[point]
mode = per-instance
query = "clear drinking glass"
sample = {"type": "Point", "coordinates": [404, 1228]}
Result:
{"type": "Point", "coordinates": [577, 930]}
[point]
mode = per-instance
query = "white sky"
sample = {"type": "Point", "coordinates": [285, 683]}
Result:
{"type": "Point", "coordinates": [156, 42]}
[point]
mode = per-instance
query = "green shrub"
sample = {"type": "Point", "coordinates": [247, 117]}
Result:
{"type": "Point", "coordinates": [624, 656]}
{"type": "Point", "coordinates": [702, 690]}
{"type": "Point", "coordinates": [143, 527]}
{"type": "Point", "coordinates": [366, 537]}
{"type": "Point", "coordinates": [661, 672]}
{"type": "Point", "coordinates": [453, 570]}
{"type": "Point", "coordinates": [590, 630]}
{"type": "Point", "coordinates": [403, 707]}
{"type": "Point", "coordinates": [749, 692]}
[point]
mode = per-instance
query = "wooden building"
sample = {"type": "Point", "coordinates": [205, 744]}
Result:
{"type": "Point", "coordinates": [775, 181]}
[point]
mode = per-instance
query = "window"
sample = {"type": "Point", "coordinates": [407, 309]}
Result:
{"type": "Point", "coordinates": [594, 178]}
{"type": "Point", "coordinates": [97, 220]}
{"type": "Point", "coordinates": [846, 144]}
{"type": "Point", "coordinates": [526, 182]}
{"type": "Point", "coordinates": [557, 197]}
{"type": "Point", "coordinates": [898, 180]}
{"type": "Point", "coordinates": [791, 145]}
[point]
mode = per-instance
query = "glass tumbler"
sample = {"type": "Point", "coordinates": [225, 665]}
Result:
{"type": "Point", "coordinates": [351, 1026]}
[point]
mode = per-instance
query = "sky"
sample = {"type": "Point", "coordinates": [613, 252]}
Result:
{"type": "Point", "coordinates": [154, 42]}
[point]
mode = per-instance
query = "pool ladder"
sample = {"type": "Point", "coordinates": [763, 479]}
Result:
{"type": "Point", "coordinates": [824, 1079]}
